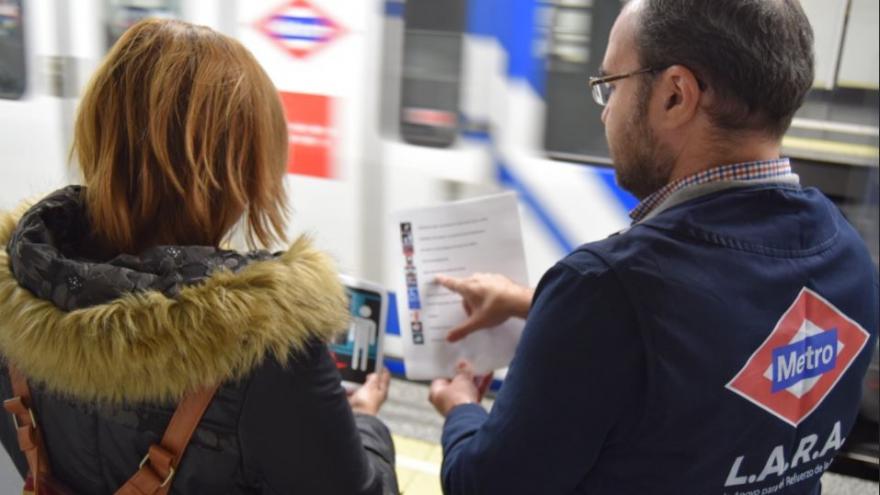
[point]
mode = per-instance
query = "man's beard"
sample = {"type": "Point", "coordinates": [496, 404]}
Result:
{"type": "Point", "coordinates": [642, 165]}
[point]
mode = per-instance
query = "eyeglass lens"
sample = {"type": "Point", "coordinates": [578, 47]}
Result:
{"type": "Point", "coordinates": [600, 93]}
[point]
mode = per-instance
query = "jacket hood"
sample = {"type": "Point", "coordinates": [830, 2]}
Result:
{"type": "Point", "coordinates": [152, 327]}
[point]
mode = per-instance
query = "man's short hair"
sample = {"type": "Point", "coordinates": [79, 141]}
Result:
{"type": "Point", "coordinates": [756, 55]}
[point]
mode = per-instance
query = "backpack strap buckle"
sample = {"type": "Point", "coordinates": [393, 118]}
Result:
{"type": "Point", "coordinates": [169, 466]}
{"type": "Point", "coordinates": [17, 406]}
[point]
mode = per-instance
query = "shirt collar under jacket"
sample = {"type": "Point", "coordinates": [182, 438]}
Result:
{"type": "Point", "coordinates": [722, 177]}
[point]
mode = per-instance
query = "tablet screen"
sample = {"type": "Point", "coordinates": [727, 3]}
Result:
{"type": "Point", "coordinates": [357, 348]}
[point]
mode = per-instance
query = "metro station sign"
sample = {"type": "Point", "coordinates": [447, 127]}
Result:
{"type": "Point", "coordinates": [300, 28]}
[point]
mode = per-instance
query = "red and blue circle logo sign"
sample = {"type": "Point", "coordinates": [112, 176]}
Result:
{"type": "Point", "coordinates": [300, 28]}
{"type": "Point", "coordinates": [811, 347]}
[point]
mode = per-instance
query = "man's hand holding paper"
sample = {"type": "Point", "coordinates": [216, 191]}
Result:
{"type": "Point", "coordinates": [489, 299]}
{"type": "Point", "coordinates": [438, 244]}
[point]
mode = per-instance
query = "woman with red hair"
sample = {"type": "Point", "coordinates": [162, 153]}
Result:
{"type": "Point", "coordinates": [117, 302]}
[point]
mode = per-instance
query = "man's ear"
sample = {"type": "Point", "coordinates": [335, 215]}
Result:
{"type": "Point", "coordinates": [679, 92]}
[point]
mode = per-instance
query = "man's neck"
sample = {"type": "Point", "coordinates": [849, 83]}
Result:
{"type": "Point", "coordinates": [695, 160]}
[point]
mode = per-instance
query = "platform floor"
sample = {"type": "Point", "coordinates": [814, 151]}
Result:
{"type": "Point", "coordinates": [417, 429]}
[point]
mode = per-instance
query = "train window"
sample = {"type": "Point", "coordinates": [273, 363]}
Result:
{"type": "Point", "coordinates": [842, 107]}
{"type": "Point", "coordinates": [834, 140]}
{"type": "Point", "coordinates": [577, 34]}
{"type": "Point", "coordinates": [13, 79]}
{"type": "Point", "coordinates": [122, 14]}
{"type": "Point", "coordinates": [431, 72]}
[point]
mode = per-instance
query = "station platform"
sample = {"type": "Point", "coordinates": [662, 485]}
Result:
{"type": "Point", "coordinates": [416, 429]}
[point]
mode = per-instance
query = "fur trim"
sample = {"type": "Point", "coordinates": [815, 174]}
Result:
{"type": "Point", "coordinates": [146, 347]}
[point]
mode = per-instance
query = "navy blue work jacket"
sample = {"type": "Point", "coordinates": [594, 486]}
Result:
{"type": "Point", "coordinates": [717, 347]}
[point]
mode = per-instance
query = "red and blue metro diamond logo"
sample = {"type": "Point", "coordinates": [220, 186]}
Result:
{"type": "Point", "coordinates": [793, 371]}
{"type": "Point", "coordinates": [300, 28]}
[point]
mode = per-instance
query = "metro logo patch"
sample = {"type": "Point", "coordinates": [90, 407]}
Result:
{"type": "Point", "coordinates": [300, 28]}
{"type": "Point", "coordinates": [800, 362]}
{"type": "Point", "coordinates": [806, 358]}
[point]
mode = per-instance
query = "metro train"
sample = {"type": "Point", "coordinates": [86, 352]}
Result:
{"type": "Point", "coordinates": [395, 103]}
{"type": "Point", "coordinates": [392, 104]}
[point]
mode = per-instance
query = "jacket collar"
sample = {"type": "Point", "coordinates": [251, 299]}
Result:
{"type": "Point", "coordinates": [773, 219]}
{"type": "Point", "coordinates": [683, 195]}
{"type": "Point", "coordinates": [153, 345]}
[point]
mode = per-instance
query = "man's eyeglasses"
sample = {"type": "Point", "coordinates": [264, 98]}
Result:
{"type": "Point", "coordinates": [602, 88]}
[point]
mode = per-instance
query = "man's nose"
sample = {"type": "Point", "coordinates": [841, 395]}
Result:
{"type": "Point", "coordinates": [604, 113]}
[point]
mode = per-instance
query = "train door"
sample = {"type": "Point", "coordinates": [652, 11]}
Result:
{"type": "Point", "coordinates": [12, 67]}
{"type": "Point", "coordinates": [317, 54]}
{"type": "Point", "coordinates": [577, 38]}
{"type": "Point", "coordinates": [48, 51]}
{"type": "Point", "coordinates": [122, 14]}
{"type": "Point", "coordinates": [30, 90]}
{"type": "Point", "coordinates": [431, 72]}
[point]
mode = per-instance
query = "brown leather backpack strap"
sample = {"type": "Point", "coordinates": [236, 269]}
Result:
{"type": "Point", "coordinates": [29, 439]}
{"type": "Point", "coordinates": [157, 469]}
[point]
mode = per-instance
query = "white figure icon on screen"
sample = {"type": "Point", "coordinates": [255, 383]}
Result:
{"type": "Point", "coordinates": [362, 331]}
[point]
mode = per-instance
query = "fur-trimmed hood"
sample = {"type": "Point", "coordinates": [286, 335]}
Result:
{"type": "Point", "coordinates": [166, 332]}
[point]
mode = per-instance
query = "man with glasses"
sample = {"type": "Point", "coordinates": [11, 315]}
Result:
{"type": "Point", "coordinates": [718, 344]}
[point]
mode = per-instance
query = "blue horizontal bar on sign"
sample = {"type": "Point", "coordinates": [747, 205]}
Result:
{"type": "Point", "coordinates": [313, 21]}
{"type": "Point", "coordinates": [297, 37]}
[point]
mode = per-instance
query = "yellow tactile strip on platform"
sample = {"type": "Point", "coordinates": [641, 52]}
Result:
{"type": "Point", "coordinates": [418, 466]}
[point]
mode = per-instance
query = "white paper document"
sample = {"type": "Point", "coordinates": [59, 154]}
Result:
{"type": "Point", "coordinates": [455, 239]}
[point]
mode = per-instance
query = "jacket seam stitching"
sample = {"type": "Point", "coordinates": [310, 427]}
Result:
{"type": "Point", "coordinates": [747, 247]}
{"type": "Point", "coordinates": [639, 330]}
{"type": "Point", "coordinates": [247, 390]}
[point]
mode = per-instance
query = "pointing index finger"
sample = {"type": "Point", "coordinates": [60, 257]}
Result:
{"type": "Point", "coordinates": [450, 283]}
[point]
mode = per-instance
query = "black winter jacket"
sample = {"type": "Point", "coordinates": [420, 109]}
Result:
{"type": "Point", "coordinates": [110, 345]}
